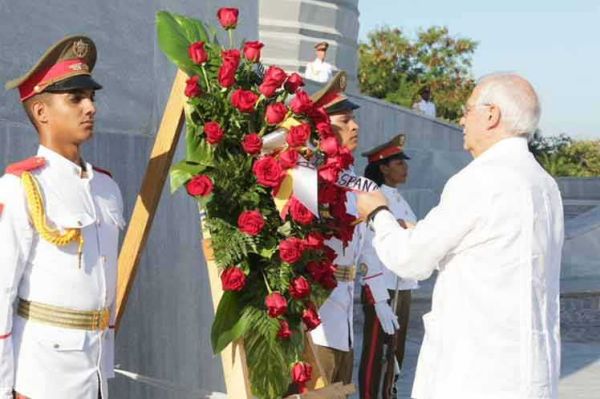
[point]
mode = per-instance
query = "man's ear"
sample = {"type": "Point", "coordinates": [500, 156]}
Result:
{"type": "Point", "coordinates": [39, 111]}
{"type": "Point", "coordinates": [493, 117]}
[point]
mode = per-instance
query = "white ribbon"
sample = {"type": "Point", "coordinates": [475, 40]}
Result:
{"type": "Point", "coordinates": [348, 179]}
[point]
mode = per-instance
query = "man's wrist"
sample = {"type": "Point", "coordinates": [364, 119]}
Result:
{"type": "Point", "coordinates": [374, 212]}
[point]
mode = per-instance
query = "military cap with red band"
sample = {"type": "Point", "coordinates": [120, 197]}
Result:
{"type": "Point", "coordinates": [332, 97]}
{"type": "Point", "coordinates": [66, 65]}
{"type": "Point", "coordinates": [390, 148]}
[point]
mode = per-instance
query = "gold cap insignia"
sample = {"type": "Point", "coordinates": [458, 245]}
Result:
{"type": "Point", "coordinates": [80, 48]}
{"type": "Point", "coordinates": [343, 82]}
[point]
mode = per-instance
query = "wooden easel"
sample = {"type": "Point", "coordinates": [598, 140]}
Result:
{"type": "Point", "coordinates": [233, 357]}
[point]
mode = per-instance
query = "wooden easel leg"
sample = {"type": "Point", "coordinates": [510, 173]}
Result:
{"type": "Point", "coordinates": [150, 192]}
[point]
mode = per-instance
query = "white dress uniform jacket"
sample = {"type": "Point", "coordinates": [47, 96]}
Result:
{"type": "Point", "coordinates": [496, 237]}
{"type": "Point", "coordinates": [336, 330]}
{"type": "Point", "coordinates": [319, 71]}
{"type": "Point", "coordinates": [42, 361]}
{"type": "Point", "coordinates": [379, 278]}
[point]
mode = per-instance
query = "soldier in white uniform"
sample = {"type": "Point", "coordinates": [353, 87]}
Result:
{"type": "Point", "coordinates": [496, 238]}
{"type": "Point", "coordinates": [334, 337]}
{"type": "Point", "coordinates": [59, 226]}
{"type": "Point", "coordinates": [319, 70]}
{"type": "Point", "coordinates": [387, 167]}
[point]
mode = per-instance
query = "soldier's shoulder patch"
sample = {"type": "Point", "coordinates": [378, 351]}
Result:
{"type": "Point", "coordinates": [103, 171]}
{"type": "Point", "coordinates": [25, 165]}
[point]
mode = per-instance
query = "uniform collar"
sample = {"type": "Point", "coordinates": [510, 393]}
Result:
{"type": "Point", "coordinates": [62, 164]}
{"type": "Point", "coordinates": [388, 189]}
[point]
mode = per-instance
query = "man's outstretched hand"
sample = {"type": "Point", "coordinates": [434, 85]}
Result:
{"type": "Point", "coordinates": [367, 202]}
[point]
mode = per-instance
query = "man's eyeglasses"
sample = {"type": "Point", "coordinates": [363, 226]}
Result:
{"type": "Point", "coordinates": [465, 109]}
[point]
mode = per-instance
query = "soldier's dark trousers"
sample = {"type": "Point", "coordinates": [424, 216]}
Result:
{"type": "Point", "coordinates": [371, 361]}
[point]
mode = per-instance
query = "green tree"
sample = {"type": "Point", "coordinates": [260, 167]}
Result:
{"type": "Point", "coordinates": [394, 67]}
{"type": "Point", "coordinates": [562, 156]}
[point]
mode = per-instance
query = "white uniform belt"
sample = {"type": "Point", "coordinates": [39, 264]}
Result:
{"type": "Point", "coordinates": [92, 320]}
{"type": "Point", "coordinates": [345, 273]}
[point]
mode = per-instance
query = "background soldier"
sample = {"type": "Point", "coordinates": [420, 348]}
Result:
{"type": "Point", "coordinates": [59, 226]}
{"type": "Point", "coordinates": [319, 70]}
{"type": "Point", "coordinates": [334, 337]}
{"type": "Point", "coordinates": [387, 167]}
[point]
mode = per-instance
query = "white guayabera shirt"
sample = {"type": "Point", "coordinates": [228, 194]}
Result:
{"type": "Point", "coordinates": [496, 238]}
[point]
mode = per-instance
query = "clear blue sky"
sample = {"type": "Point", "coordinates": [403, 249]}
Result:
{"type": "Point", "coordinates": [553, 43]}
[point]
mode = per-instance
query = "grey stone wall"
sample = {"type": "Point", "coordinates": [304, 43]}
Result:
{"type": "Point", "coordinates": [581, 260]}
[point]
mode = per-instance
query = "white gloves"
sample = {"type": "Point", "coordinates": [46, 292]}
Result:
{"type": "Point", "coordinates": [387, 318]}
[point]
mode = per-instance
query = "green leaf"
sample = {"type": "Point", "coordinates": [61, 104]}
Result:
{"type": "Point", "coordinates": [175, 34]}
{"type": "Point", "coordinates": [183, 172]}
{"type": "Point", "coordinates": [285, 229]}
{"type": "Point", "coordinates": [200, 152]}
{"type": "Point", "coordinates": [228, 325]}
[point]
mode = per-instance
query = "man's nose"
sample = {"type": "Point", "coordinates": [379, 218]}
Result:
{"type": "Point", "coordinates": [90, 107]}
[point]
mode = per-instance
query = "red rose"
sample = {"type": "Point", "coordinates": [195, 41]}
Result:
{"type": "Point", "coordinates": [276, 304]}
{"type": "Point", "coordinates": [200, 185]}
{"type": "Point", "coordinates": [274, 78]}
{"type": "Point", "coordinates": [227, 75]}
{"type": "Point", "coordinates": [288, 158]}
{"type": "Point", "coordinates": [231, 61]}
{"type": "Point", "coordinates": [324, 129]}
{"type": "Point", "coordinates": [252, 51]}
{"type": "Point", "coordinates": [314, 240]}
{"type": "Point", "coordinates": [299, 212]}
{"type": "Point", "coordinates": [284, 330]}
{"type": "Point", "coordinates": [330, 253]}
{"type": "Point", "coordinates": [231, 56]}
{"type": "Point", "coordinates": [275, 113]}
{"type": "Point", "coordinates": [301, 104]}
{"type": "Point", "coordinates": [345, 158]}
{"type": "Point", "coordinates": [251, 222]}
{"type": "Point", "coordinates": [228, 17]}
{"type": "Point", "coordinates": [268, 172]}
{"type": "Point", "coordinates": [214, 133]}
{"type": "Point", "coordinates": [192, 88]}
{"type": "Point", "coordinates": [291, 249]}
{"type": "Point", "coordinates": [298, 135]}
{"type": "Point", "coordinates": [319, 115]}
{"type": "Point", "coordinates": [320, 270]}
{"type": "Point", "coordinates": [338, 210]}
{"type": "Point", "coordinates": [329, 171]}
{"type": "Point", "coordinates": [299, 288]}
{"type": "Point", "coordinates": [244, 100]}
{"type": "Point", "coordinates": [301, 374]}
{"type": "Point", "coordinates": [233, 279]}
{"type": "Point", "coordinates": [275, 75]}
{"type": "Point", "coordinates": [197, 53]}
{"type": "Point", "coordinates": [345, 233]}
{"type": "Point", "coordinates": [268, 88]}
{"type": "Point", "coordinates": [328, 282]}
{"type": "Point", "coordinates": [293, 82]}
{"type": "Point", "coordinates": [330, 146]}
{"type": "Point", "coordinates": [252, 143]}
{"type": "Point", "coordinates": [310, 317]}
{"type": "Point", "coordinates": [329, 193]}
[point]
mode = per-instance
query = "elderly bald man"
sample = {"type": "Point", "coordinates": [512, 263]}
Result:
{"type": "Point", "coordinates": [496, 239]}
